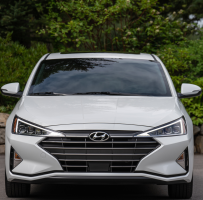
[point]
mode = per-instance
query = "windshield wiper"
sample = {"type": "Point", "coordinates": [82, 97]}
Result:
{"type": "Point", "coordinates": [105, 93]}
{"type": "Point", "coordinates": [47, 94]}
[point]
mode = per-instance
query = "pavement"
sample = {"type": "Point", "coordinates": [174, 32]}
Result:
{"type": "Point", "coordinates": [138, 192]}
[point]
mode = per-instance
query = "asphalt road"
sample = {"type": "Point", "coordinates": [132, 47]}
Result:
{"type": "Point", "coordinates": [138, 192]}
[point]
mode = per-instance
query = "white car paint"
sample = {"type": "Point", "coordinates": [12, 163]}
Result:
{"type": "Point", "coordinates": [11, 88]}
{"type": "Point", "coordinates": [101, 112]}
{"type": "Point", "coordinates": [128, 110]}
{"type": "Point", "coordinates": [187, 88]}
{"type": "Point", "coordinates": [142, 56]}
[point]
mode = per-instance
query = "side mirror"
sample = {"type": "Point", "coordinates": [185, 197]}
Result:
{"type": "Point", "coordinates": [189, 90]}
{"type": "Point", "coordinates": [12, 90]}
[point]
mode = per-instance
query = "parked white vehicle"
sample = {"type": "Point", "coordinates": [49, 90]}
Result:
{"type": "Point", "coordinates": [98, 118]}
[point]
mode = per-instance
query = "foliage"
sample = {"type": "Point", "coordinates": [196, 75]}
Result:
{"type": "Point", "coordinates": [98, 24]}
{"type": "Point", "coordinates": [185, 65]}
{"type": "Point", "coordinates": [7, 109]}
{"type": "Point", "coordinates": [192, 9]}
{"type": "Point", "coordinates": [23, 18]}
{"type": "Point", "coordinates": [16, 64]}
{"type": "Point", "coordinates": [106, 25]}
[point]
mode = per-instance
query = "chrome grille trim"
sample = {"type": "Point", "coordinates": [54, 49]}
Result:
{"type": "Point", "coordinates": [95, 148]}
{"type": "Point", "coordinates": [95, 160]}
{"type": "Point", "coordinates": [78, 154]}
{"type": "Point", "coordinates": [117, 155]}
{"type": "Point", "coordinates": [94, 142]}
{"type": "Point", "coordinates": [73, 166]}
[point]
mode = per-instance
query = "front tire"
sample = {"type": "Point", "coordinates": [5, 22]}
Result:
{"type": "Point", "coordinates": [181, 191]}
{"type": "Point", "coordinates": [16, 189]}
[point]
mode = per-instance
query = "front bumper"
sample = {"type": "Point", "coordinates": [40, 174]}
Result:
{"type": "Point", "coordinates": [98, 180]}
{"type": "Point", "coordinates": [159, 167]}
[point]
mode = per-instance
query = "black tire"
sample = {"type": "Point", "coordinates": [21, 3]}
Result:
{"type": "Point", "coordinates": [16, 189]}
{"type": "Point", "coordinates": [181, 191]}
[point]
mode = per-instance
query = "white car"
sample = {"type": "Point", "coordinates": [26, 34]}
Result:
{"type": "Point", "coordinates": [99, 118]}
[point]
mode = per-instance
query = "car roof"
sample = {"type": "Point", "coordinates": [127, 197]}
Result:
{"type": "Point", "coordinates": [142, 56]}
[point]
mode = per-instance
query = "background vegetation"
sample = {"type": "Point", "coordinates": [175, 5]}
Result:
{"type": "Point", "coordinates": [31, 28]}
{"type": "Point", "coordinates": [16, 64]}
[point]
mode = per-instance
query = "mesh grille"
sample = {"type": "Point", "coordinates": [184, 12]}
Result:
{"type": "Point", "coordinates": [80, 154]}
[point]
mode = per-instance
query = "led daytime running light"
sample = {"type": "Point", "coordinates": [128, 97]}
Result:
{"type": "Point", "coordinates": [22, 127]}
{"type": "Point", "coordinates": [173, 129]}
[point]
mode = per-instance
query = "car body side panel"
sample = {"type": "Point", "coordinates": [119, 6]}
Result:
{"type": "Point", "coordinates": [35, 158]}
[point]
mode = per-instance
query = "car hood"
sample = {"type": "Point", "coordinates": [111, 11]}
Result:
{"type": "Point", "coordinates": [68, 110]}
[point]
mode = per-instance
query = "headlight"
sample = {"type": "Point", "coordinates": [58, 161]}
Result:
{"type": "Point", "coordinates": [22, 127]}
{"type": "Point", "coordinates": [175, 128]}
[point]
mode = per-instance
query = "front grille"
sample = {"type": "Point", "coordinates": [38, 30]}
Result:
{"type": "Point", "coordinates": [80, 154]}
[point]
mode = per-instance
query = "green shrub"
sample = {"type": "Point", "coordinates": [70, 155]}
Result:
{"type": "Point", "coordinates": [120, 25]}
{"type": "Point", "coordinates": [185, 65]}
{"type": "Point", "coordinates": [16, 64]}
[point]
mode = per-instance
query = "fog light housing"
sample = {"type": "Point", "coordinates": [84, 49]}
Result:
{"type": "Point", "coordinates": [183, 160]}
{"type": "Point", "coordinates": [15, 159]}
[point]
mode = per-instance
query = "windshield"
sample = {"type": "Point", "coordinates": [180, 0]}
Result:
{"type": "Point", "coordinates": [100, 76]}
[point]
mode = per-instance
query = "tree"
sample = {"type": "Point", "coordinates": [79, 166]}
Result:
{"type": "Point", "coordinates": [112, 25]}
{"type": "Point", "coordinates": [192, 9]}
{"type": "Point", "coordinates": [23, 18]}
{"type": "Point", "coordinates": [16, 64]}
